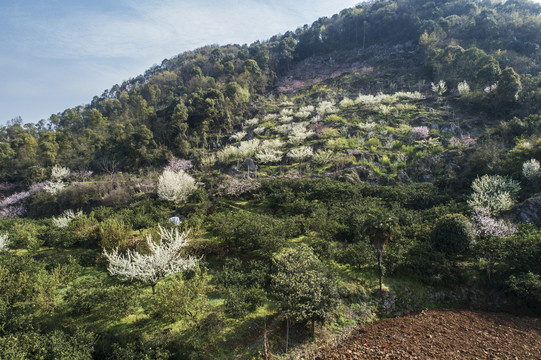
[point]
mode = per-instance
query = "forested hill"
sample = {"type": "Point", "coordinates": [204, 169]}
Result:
{"type": "Point", "coordinates": [194, 101]}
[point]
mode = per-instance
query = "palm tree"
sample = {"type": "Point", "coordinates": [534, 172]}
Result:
{"type": "Point", "coordinates": [380, 226]}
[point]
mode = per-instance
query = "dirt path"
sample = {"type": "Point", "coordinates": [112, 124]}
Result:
{"type": "Point", "coordinates": [444, 334]}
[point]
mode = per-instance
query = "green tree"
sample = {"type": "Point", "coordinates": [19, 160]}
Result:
{"type": "Point", "coordinates": [509, 86]}
{"type": "Point", "coordinates": [48, 148]}
{"type": "Point", "coordinates": [307, 289]}
{"type": "Point", "coordinates": [452, 234]}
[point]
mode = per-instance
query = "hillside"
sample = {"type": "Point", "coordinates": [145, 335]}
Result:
{"type": "Point", "coordinates": [333, 175]}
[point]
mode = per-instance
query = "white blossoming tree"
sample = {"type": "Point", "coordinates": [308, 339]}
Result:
{"type": "Point", "coordinates": [63, 220]}
{"type": "Point", "coordinates": [175, 186]}
{"type": "Point", "coordinates": [301, 154]}
{"type": "Point", "coordinates": [494, 192]}
{"type": "Point", "coordinates": [165, 259]}
{"type": "Point", "coordinates": [439, 88]}
{"type": "Point", "coordinates": [4, 242]}
{"type": "Point", "coordinates": [56, 184]}
{"type": "Point", "coordinates": [531, 170]}
{"type": "Point", "coordinates": [490, 232]}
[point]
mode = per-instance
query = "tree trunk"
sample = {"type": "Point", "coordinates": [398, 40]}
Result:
{"type": "Point", "coordinates": [313, 329]}
{"type": "Point", "coordinates": [380, 271]}
{"type": "Point", "coordinates": [153, 289]}
{"type": "Point", "coordinates": [287, 333]}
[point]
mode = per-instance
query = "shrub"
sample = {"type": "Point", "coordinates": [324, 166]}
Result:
{"type": "Point", "coordinates": [241, 301]}
{"type": "Point", "coordinates": [323, 157]}
{"type": "Point", "coordinates": [182, 299]}
{"type": "Point", "coordinates": [452, 234]}
{"type": "Point", "coordinates": [84, 296]}
{"type": "Point", "coordinates": [527, 285]}
{"type": "Point", "coordinates": [112, 234]}
{"type": "Point", "coordinates": [246, 231]}
{"type": "Point", "coordinates": [175, 186]}
{"type": "Point", "coordinates": [52, 345]}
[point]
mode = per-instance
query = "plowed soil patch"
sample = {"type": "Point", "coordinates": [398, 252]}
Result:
{"type": "Point", "coordinates": [444, 334]}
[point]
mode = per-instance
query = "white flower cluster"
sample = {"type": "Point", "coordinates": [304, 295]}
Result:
{"type": "Point", "coordinates": [305, 112]}
{"type": "Point", "coordinates": [251, 122]}
{"type": "Point", "coordinates": [236, 152]}
{"type": "Point", "coordinates": [302, 153]}
{"type": "Point", "coordinates": [59, 172]}
{"type": "Point", "coordinates": [56, 184]}
{"type": "Point", "coordinates": [4, 242]}
{"type": "Point", "coordinates": [463, 88]}
{"type": "Point", "coordinates": [439, 88]}
{"type": "Point", "coordinates": [326, 107]}
{"type": "Point", "coordinates": [381, 98]}
{"type": "Point", "coordinates": [269, 152]}
{"type": "Point", "coordinates": [531, 169]}
{"type": "Point", "coordinates": [238, 136]}
{"type": "Point", "coordinates": [63, 220]}
{"type": "Point", "coordinates": [299, 132]}
{"type": "Point", "coordinates": [485, 226]}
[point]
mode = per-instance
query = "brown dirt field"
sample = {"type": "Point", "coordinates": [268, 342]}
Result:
{"type": "Point", "coordinates": [444, 334]}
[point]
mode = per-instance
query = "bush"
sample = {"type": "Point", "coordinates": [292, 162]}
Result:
{"type": "Point", "coordinates": [241, 301]}
{"type": "Point", "coordinates": [53, 345]}
{"type": "Point", "coordinates": [359, 254]}
{"type": "Point", "coordinates": [141, 349]}
{"type": "Point", "coordinates": [25, 234]}
{"type": "Point", "coordinates": [113, 234]}
{"type": "Point", "coordinates": [452, 234]}
{"type": "Point", "coordinates": [247, 231]}
{"type": "Point", "coordinates": [526, 286]}
{"type": "Point", "coordinates": [181, 299]}
{"type": "Point", "coordinates": [84, 296]}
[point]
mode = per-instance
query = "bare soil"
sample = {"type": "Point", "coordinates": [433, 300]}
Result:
{"type": "Point", "coordinates": [444, 334]}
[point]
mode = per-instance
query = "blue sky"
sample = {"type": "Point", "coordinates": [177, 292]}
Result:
{"type": "Point", "coordinates": [58, 54]}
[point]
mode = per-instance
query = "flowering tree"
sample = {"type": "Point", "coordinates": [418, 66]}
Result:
{"type": "Point", "coordinates": [56, 184]}
{"type": "Point", "coordinates": [463, 88]}
{"type": "Point", "coordinates": [269, 155]}
{"type": "Point", "coordinates": [531, 170]}
{"type": "Point", "coordinates": [490, 233]}
{"type": "Point", "coordinates": [235, 187]}
{"type": "Point", "coordinates": [164, 259]}
{"type": "Point", "coordinates": [178, 164]}
{"type": "Point", "coordinates": [420, 132]}
{"type": "Point", "coordinates": [175, 186]}
{"type": "Point", "coordinates": [4, 242]}
{"type": "Point", "coordinates": [494, 192]}
{"type": "Point", "coordinates": [301, 154]}
{"type": "Point", "coordinates": [63, 220]}
{"type": "Point", "coordinates": [439, 88]}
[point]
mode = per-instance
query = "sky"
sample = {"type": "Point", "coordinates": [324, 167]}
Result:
{"type": "Point", "coordinates": [57, 54]}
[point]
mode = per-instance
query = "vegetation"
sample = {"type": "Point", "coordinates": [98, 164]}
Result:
{"type": "Point", "coordinates": [390, 162]}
